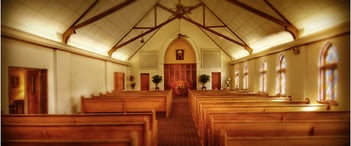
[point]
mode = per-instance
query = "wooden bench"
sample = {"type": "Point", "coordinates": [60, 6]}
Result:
{"type": "Point", "coordinates": [239, 131]}
{"type": "Point", "coordinates": [324, 140]}
{"type": "Point", "coordinates": [203, 119]}
{"type": "Point", "coordinates": [209, 110]}
{"type": "Point", "coordinates": [207, 102]}
{"type": "Point", "coordinates": [130, 101]}
{"type": "Point", "coordinates": [44, 126]}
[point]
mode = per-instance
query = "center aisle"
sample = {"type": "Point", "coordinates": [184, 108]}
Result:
{"type": "Point", "coordinates": [178, 129]}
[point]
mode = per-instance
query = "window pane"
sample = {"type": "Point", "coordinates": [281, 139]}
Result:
{"type": "Point", "coordinates": [331, 56]}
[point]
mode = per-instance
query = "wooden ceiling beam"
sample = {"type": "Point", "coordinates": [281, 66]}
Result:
{"type": "Point", "coordinates": [216, 43]}
{"type": "Point", "coordinates": [288, 26]}
{"type": "Point", "coordinates": [245, 46]}
{"type": "Point", "coordinates": [143, 44]}
{"type": "Point", "coordinates": [72, 29]}
{"type": "Point", "coordinates": [117, 46]}
{"type": "Point", "coordinates": [113, 49]}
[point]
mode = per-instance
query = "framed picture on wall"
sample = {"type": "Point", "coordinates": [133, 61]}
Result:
{"type": "Point", "coordinates": [180, 54]}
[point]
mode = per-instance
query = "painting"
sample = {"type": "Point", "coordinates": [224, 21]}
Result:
{"type": "Point", "coordinates": [180, 54]}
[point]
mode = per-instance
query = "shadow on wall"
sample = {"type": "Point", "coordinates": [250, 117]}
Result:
{"type": "Point", "coordinates": [74, 105]}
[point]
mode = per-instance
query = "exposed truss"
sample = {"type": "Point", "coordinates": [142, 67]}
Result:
{"type": "Point", "coordinates": [286, 24]}
{"type": "Point", "coordinates": [75, 26]}
{"type": "Point", "coordinates": [180, 13]}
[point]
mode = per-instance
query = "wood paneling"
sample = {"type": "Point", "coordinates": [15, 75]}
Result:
{"type": "Point", "coordinates": [180, 77]}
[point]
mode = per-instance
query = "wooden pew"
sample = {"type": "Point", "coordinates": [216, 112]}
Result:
{"type": "Point", "coordinates": [135, 101]}
{"type": "Point", "coordinates": [324, 140]}
{"type": "Point", "coordinates": [198, 103]}
{"type": "Point", "coordinates": [314, 123]}
{"type": "Point", "coordinates": [144, 125]}
{"type": "Point", "coordinates": [205, 108]}
{"type": "Point", "coordinates": [203, 119]}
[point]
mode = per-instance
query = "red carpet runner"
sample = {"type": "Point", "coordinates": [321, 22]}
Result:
{"type": "Point", "coordinates": [179, 128]}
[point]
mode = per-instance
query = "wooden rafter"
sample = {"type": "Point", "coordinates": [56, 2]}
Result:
{"type": "Point", "coordinates": [143, 44]}
{"type": "Point", "coordinates": [130, 30]}
{"type": "Point", "coordinates": [246, 47]}
{"type": "Point", "coordinates": [215, 43]}
{"type": "Point", "coordinates": [291, 28]}
{"type": "Point", "coordinates": [288, 26]}
{"type": "Point", "coordinates": [72, 29]}
{"type": "Point", "coordinates": [117, 46]}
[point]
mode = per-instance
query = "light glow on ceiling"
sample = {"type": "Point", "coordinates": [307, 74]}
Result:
{"type": "Point", "coordinates": [120, 56]}
{"type": "Point", "coordinates": [319, 22]}
{"type": "Point", "coordinates": [35, 27]}
{"type": "Point", "coordinates": [240, 54]}
{"type": "Point", "coordinates": [88, 44]}
{"type": "Point", "coordinates": [271, 41]}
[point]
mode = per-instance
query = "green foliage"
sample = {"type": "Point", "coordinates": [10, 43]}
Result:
{"type": "Point", "coordinates": [204, 78]}
{"type": "Point", "coordinates": [156, 79]}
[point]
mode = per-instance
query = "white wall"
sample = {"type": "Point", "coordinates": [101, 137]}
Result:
{"type": "Point", "coordinates": [302, 71]}
{"type": "Point", "coordinates": [70, 76]}
{"type": "Point", "coordinates": [20, 54]}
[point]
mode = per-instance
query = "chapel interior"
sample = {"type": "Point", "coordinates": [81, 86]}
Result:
{"type": "Point", "coordinates": [175, 72]}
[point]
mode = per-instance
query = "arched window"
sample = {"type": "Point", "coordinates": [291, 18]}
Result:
{"type": "Point", "coordinates": [263, 77]}
{"type": "Point", "coordinates": [328, 73]}
{"type": "Point", "coordinates": [246, 77]}
{"type": "Point", "coordinates": [237, 78]}
{"type": "Point", "coordinates": [281, 76]}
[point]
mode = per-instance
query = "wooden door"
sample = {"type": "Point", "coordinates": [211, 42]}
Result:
{"type": "Point", "coordinates": [216, 80]}
{"type": "Point", "coordinates": [145, 81]}
{"type": "Point", "coordinates": [33, 88]}
{"type": "Point", "coordinates": [119, 81]}
{"type": "Point", "coordinates": [33, 92]}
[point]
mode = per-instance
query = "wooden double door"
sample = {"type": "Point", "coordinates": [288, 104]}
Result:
{"type": "Point", "coordinates": [180, 78]}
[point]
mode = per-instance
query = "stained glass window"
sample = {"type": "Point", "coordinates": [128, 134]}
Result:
{"type": "Point", "coordinates": [328, 73]}
{"type": "Point", "coordinates": [263, 77]}
{"type": "Point", "coordinates": [237, 78]}
{"type": "Point", "coordinates": [281, 76]}
{"type": "Point", "coordinates": [246, 77]}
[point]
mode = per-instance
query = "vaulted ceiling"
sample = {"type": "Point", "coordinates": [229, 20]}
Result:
{"type": "Point", "coordinates": [121, 28]}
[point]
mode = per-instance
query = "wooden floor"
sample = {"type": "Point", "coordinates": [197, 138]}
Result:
{"type": "Point", "coordinates": [179, 129]}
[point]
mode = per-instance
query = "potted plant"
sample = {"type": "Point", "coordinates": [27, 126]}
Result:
{"type": "Point", "coordinates": [156, 79]}
{"type": "Point", "coordinates": [204, 79]}
{"type": "Point", "coordinates": [132, 85]}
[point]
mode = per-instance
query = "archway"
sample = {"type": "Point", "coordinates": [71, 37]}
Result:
{"type": "Point", "coordinates": [180, 67]}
